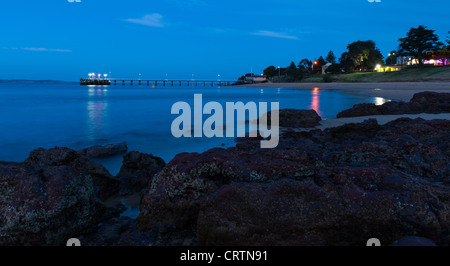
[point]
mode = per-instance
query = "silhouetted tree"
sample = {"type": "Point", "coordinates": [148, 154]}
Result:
{"type": "Point", "coordinates": [318, 64]}
{"type": "Point", "coordinates": [270, 72]}
{"type": "Point", "coordinates": [364, 54]}
{"type": "Point", "coordinates": [392, 59]}
{"type": "Point", "coordinates": [292, 72]}
{"type": "Point", "coordinates": [335, 68]}
{"type": "Point", "coordinates": [347, 64]}
{"type": "Point", "coordinates": [419, 42]}
{"type": "Point", "coordinates": [331, 58]}
{"type": "Point", "coordinates": [305, 66]}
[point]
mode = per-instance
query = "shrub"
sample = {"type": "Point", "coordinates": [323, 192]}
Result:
{"type": "Point", "coordinates": [327, 78]}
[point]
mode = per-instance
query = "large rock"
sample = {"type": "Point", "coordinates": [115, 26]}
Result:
{"type": "Point", "coordinates": [45, 204]}
{"type": "Point", "coordinates": [105, 184]}
{"type": "Point", "coordinates": [362, 109]}
{"type": "Point", "coordinates": [297, 118]}
{"type": "Point", "coordinates": [405, 160]}
{"type": "Point", "coordinates": [432, 102]}
{"type": "Point", "coordinates": [424, 102]}
{"type": "Point", "coordinates": [351, 207]}
{"type": "Point", "coordinates": [137, 171]}
{"type": "Point", "coordinates": [107, 150]}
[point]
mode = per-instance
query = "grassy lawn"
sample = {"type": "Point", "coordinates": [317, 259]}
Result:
{"type": "Point", "coordinates": [426, 74]}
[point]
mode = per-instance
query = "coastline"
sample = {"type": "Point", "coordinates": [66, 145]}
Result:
{"type": "Point", "coordinates": [397, 91]}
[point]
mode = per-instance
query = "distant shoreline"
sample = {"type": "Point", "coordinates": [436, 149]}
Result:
{"type": "Point", "coordinates": [33, 81]}
{"type": "Point", "coordinates": [399, 91]}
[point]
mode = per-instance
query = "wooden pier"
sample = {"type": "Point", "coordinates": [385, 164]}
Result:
{"type": "Point", "coordinates": [95, 82]}
{"type": "Point", "coordinates": [155, 83]}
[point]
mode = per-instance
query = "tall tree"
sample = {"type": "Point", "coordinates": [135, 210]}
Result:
{"type": "Point", "coordinates": [392, 59]}
{"type": "Point", "coordinates": [270, 72]}
{"type": "Point", "coordinates": [448, 41]}
{"type": "Point", "coordinates": [318, 64]}
{"type": "Point", "coordinates": [331, 58]}
{"type": "Point", "coordinates": [419, 42]}
{"type": "Point", "coordinates": [305, 66]}
{"type": "Point", "coordinates": [347, 64]}
{"type": "Point", "coordinates": [292, 72]}
{"type": "Point", "coordinates": [364, 54]}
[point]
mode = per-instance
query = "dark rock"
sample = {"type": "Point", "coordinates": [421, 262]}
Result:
{"type": "Point", "coordinates": [362, 109]}
{"type": "Point", "coordinates": [137, 171]}
{"type": "Point", "coordinates": [113, 212]}
{"type": "Point", "coordinates": [297, 118]}
{"type": "Point", "coordinates": [303, 213]}
{"type": "Point", "coordinates": [395, 108]}
{"type": "Point", "coordinates": [353, 131]}
{"type": "Point", "coordinates": [396, 174]}
{"type": "Point", "coordinates": [432, 102]}
{"type": "Point", "coordinates": [424, 102]}
{"type": "Point", "coordinates": [107, 150]}
{"type": "Point", "coordinates": [119, 231]}
{"type": "Point", "coordinates": [104, 183]}
{"type": "Point", "coordinates": [45, 204]}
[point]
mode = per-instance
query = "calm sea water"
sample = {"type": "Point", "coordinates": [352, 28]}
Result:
{"type": "Point", "coordinates": [69, 115]}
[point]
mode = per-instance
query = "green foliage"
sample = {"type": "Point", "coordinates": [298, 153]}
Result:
{"type": "Point", "coordinates": [327, 78]}
{"type": "Point", "coordinates": [364, 55]}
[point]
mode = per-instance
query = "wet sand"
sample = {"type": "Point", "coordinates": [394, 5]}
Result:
{"type": "Point", "coordinates": [398, 91]}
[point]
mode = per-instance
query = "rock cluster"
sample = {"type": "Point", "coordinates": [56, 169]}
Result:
{"type": "Point", "coordinates": [340, 186]}
{"type": "Point", "coordinates": [49, 198]}
{"type": "Point", "coordinates": [424, 102]}
{"type": "Point", "coordinates": [103, 151]}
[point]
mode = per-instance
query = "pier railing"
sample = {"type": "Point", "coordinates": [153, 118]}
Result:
{"type": "Point", "coordinates": [155, 83]}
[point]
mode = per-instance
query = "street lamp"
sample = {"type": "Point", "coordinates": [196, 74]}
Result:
{"type": "Point", "coordinates": [140, 76]}
{"type": "Point", "coordinates": [105, 75]}
{"type": "Point", "coordinates": [218, 77]}
{"type": "Point", "coordinates": [279, 74]}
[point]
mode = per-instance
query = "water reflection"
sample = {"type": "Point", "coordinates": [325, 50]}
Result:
{"type": "Point", "coordinates": [379, 101]}
{"type": "Point", "coordinates": [315, 101]}
{"type": "Point", "coordinates": [97, 109]}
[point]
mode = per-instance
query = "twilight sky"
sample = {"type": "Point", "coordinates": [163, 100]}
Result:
{"type": "Point", "coordinates": [62, 40]}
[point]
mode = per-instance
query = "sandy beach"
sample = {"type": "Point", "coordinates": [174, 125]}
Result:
{"type": "Point", "coordinates": [398, 91]}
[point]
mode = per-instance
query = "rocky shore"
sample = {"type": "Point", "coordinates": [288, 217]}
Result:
{"type": "Point", "coordinates": [337, 186]}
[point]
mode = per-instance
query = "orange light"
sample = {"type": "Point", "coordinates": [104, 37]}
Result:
{"type": "Point", "coordinates": [315, 62]}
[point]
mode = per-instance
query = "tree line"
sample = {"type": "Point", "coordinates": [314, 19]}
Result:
{"type": "Point", "coordinates": [419, 43]}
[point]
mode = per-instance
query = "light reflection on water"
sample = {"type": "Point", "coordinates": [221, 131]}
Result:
{"type": "Point", "coordinates": [380, 101]}
{"type": "Point", "coordinates": [315, 101]}
{"type": "Point", "coordinates": [97, 112]}
{"type": "Point", "coordinates": [70, 115]}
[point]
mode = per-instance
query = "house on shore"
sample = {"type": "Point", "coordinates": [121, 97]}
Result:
{"type": "Point", "coordinates": [255, 79]}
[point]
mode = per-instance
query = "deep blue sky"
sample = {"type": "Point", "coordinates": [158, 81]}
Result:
{"type": "Point", "coordinates": [55, 39]}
